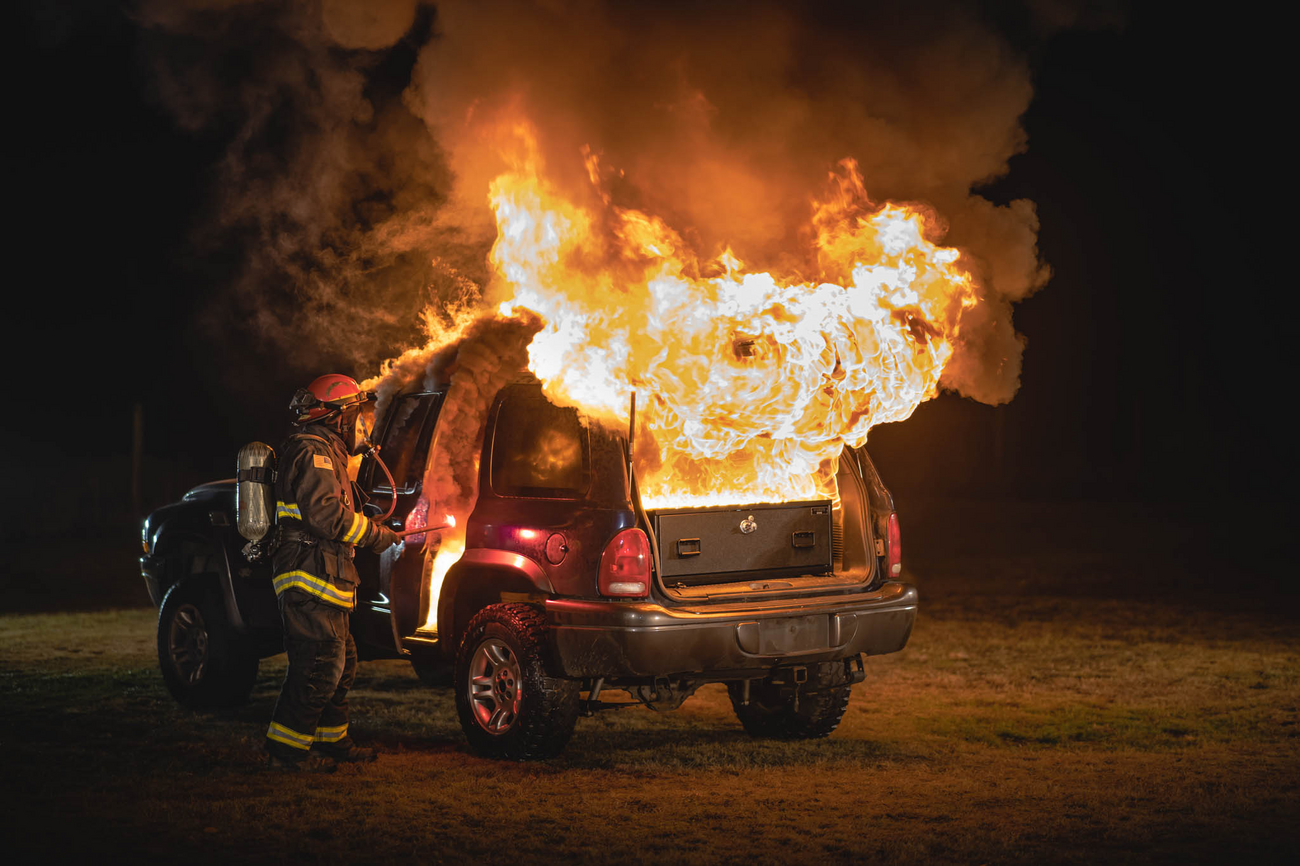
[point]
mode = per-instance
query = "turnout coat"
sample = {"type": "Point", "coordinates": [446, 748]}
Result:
{"type": "Point", "coordinates": [319, 520]}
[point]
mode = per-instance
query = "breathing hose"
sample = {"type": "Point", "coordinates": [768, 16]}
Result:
{"type": "Point", "coordinates": [373, 451]}
{"type": "Point", "coordinates": [392, 486]}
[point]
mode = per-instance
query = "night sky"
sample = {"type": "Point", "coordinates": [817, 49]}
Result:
{"type": "Point", "coordinates": [1157, 359]}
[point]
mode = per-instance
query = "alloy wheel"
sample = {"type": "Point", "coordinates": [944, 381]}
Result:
{"type": "Point", "coordinates": [187, 643]}
{"type": "Point", "coordinates": [495, 686]}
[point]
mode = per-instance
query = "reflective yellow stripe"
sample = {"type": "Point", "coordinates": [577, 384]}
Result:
{"type": "Point", "coordinates": [287, 509]}
{"type": "Point", "coordinates": [313, 585]}
{"type": "Point", "coordinates": [356, 530]}
{"type": "Point", "coordinates": [289, 736]}
{"type": "Point", "coordinates": [331, 735]}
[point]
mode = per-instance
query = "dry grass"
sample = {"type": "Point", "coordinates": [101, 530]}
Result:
{"type": "Point", "coordinates": [1064, 730]}
{"type": "Point", "coordinates": [1061, 701]}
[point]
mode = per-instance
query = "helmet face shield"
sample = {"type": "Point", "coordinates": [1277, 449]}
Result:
{"type": "Point", "coordinates": [356, 426]}
{"type": "Point", "coordinates": [302, 403]}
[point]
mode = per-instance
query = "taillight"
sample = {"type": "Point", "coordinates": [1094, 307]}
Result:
{"type": "Point", "coordinates": [894, 547]}
{"type": "Point", "coordinates": [625, 566]}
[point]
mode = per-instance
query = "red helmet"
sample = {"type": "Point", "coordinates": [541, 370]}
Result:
{"type": "Point", "coordinates": [325, 396]}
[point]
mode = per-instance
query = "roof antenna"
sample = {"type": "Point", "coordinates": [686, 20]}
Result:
{"type": "Point", "coordinates": [631, 437]}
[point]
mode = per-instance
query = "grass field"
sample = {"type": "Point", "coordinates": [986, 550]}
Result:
{"type": "Point", "coordinates": [1054, 723]}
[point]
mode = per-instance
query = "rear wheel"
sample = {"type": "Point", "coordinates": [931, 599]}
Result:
{"type": "Point", "coordinates": [508, 706]}
{"type": "Point", "coordinates": [203, 661]}
{"type": "Point", "coordinates": [793, 712]}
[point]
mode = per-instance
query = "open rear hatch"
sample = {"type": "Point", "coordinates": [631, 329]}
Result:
{"type": "Point", "coordinates": [745, 544]}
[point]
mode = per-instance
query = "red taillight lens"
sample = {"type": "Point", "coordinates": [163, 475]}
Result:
{"type": "Point", "coordinates": [625, 566]}
{"type": "Point", "coordinates": [894, 547]}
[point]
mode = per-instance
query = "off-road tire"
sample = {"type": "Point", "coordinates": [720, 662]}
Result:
{"type": "Point", "coordinates": [547, 706]}
{"type": "Point", "coordinates": [771, 712]}
{"type": "Point", "coordinates": [204, 663]}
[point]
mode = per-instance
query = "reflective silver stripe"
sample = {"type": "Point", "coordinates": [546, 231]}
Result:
{"type": "Point", "coordinates": [289, 736]}
{"type": "Point", "coordinates": [332, 734]}
{"type": "Point", "coordinates": [313, 585]}
{"type": "Point", "coordinates": [356, 530]}
{"type": "Point", "coordinates": [287, 509]}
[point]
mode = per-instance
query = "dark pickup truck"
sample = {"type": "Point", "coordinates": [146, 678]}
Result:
{"type": "Point", "coordinates": [567, 588]}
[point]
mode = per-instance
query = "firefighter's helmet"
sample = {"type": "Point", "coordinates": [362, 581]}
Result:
{"type": "Point", "coordinates": [326, 395]}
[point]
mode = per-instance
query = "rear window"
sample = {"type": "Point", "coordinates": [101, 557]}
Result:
{"type": "Point", "coordinates": [539, 450]}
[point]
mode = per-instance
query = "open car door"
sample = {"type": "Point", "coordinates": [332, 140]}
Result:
{"type": "Point", "coordinates": [389, 603]}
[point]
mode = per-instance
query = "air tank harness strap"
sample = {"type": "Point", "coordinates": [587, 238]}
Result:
{"type": "Point", "coordinates": [257, 475]}
{"type": "Point", "coordinates": [306, 540]}
{"type": "Point", "coordinates": [293, 535]}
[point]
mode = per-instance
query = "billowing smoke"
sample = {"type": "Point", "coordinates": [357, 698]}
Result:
{"type": "Point", "coordinates": [319, 249]}
{"type": "Point", "coordinates": [352, 191]}
{"type": "Point", "coordinates": [724, 118]}
{"type": "Point", "coordinates": [473, 357]}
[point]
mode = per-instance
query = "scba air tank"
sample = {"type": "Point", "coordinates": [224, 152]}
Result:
{"type": "Point", "coordinates": [255, 491]}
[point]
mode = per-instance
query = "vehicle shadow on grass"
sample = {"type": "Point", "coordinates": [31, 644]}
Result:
{"type": "Point", "coordinates": [686, 747]}
{"type": "Point", "coordinates": [396, 712]}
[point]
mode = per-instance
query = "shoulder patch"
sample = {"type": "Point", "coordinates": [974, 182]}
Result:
{"type": "Point", "coordinates": [320, 461]}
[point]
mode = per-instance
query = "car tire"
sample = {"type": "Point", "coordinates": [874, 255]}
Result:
{"type": "Point", "coordinates": [509, 707]}
{"type": "Point", "coordinates": [782, 713]}
{"type": "Point", "coordinates": [203, 661]}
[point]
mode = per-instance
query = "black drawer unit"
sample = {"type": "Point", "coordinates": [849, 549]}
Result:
{"type": "Point", "coordinates": [733, 543]}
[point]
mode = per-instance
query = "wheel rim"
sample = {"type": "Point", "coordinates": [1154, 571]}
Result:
{"type": "Point", "coordinates": [187, 644]}
{"type": "Point", "coordinates": [494, 686]}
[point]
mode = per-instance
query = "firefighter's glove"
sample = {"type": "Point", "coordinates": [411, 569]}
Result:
{"type": "Point", "coordinates": [383, 538]}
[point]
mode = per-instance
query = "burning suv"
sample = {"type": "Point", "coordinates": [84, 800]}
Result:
{"type": "Point", "coordinates": [567, 588]}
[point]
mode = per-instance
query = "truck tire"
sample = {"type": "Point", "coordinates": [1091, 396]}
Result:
{"type": "Point", "coordinates": [508, 706]}
{"type": "Point", "coordinates": [204, 663]}
{"type": "Point", "coordinates": [774, 713]}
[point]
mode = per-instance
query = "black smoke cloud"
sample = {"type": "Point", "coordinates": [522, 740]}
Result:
{"type": "Point", "coordinates": [353, 189]}
{"type": "Point", "coordinates": [324, 201]}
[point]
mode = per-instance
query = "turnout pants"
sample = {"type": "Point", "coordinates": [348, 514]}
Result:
{"type": "Point", "coordinates": [313, 703]}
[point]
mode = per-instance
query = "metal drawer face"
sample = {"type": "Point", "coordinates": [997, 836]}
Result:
{"type": "Point", "coordinates": [790, 538]}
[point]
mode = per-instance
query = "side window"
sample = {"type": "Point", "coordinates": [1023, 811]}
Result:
{"type": "Point", "coordinates": [539, 450]}
{"type": "Point", "coordinates": [405, 447]}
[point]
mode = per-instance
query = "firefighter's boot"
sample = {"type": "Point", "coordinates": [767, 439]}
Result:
{"type": "Point", "coordinates": [345, 751]}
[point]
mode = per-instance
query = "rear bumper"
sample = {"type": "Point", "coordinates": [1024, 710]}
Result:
{"type": "Point", "coordinates": [620, 639]}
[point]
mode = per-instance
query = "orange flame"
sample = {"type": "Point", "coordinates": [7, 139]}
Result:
{"type": "Point", "coordinates": [751, 383]}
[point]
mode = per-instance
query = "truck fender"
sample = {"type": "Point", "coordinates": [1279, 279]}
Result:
{"type": "Point", "coordinates": [170, 541]}
{"type": "Point", "coordinates": [481, 577]}
{"type": "Point", "coordinates": [227, 581]}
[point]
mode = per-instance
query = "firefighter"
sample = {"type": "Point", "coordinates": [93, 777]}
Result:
{"type": "Point", "coordinates": [319, 525]}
